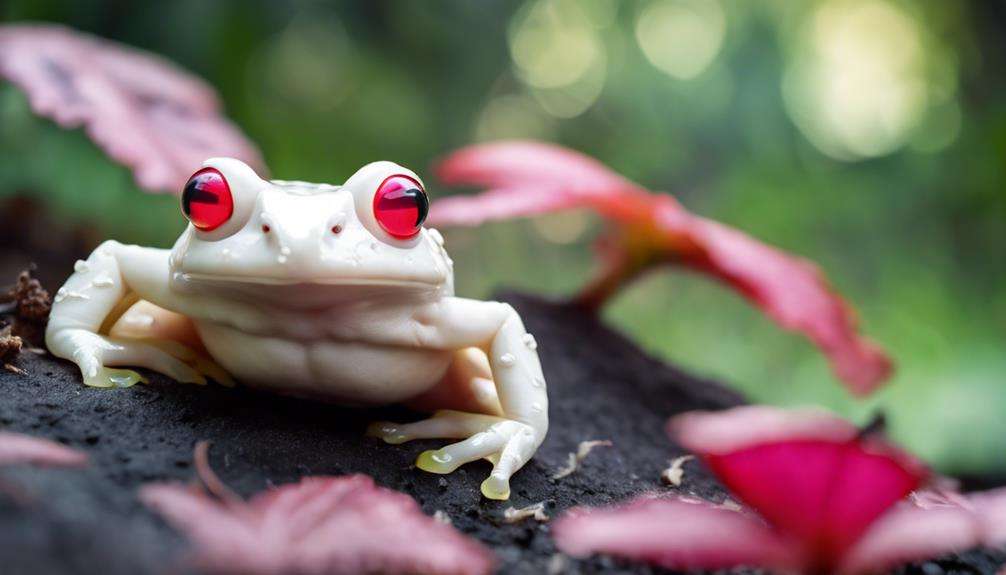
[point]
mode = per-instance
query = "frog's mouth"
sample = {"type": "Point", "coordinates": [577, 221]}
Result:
{"type": "Point", "coordinates": [224, 280]}
{"type": "Point", "coordinates": [307, 293]}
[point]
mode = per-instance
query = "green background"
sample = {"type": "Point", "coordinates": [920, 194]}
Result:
{"type": "Point", "coordinates": [867, 135]}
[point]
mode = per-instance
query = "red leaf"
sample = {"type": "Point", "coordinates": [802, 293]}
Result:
{"type": "Point", "coordinates": [322, 525]}
{"type": "Point", "coordinates": [17, 449]}
{"type": "Point", "coordinates": [807, 472]}
{"type": "Point", "coordinates": [909, 534]}
{"type": "Point", "coordinates": [143, 111]}
{"type": "Point", "coordinates": [527, 178]}
{"type": "Point", "coordinates": [671, 534]}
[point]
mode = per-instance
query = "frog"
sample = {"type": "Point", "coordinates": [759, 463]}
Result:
{"type": "Point", "coordinates": [335, 293]}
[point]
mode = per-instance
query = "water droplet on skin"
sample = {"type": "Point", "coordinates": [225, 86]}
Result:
{"type": "Point", "coordinates": [64, 293]}
{"type": "Point", "coordinates": [537, 407]}
{"type": "Point", "coordinates": [529, 341]}
{"type": "Point", "coordinates": [281, 259]}
{"type": "Point", "coordinates": [81, 266]}
{"type": "Point", "coordinates": [508, 359]}
{"type": "Point", "coordinates": [102, 281]}
{"type": "Point", "coordinates": [538, 382]}
{"type": "Point", "coordinates": [141, 320]}
{"type": "Point", "coordinates": [284, 250]}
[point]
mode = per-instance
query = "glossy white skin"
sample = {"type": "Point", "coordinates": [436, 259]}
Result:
{"type": "Point", "coordinates": [326, 304]}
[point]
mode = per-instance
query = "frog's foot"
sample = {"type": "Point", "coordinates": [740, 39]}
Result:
{"type": "Point", "coordinates": [200, 362]}
{"type": "Point", "coordinates": [506, 443]}
{"type": "Point", "coordinates": [96, 355]}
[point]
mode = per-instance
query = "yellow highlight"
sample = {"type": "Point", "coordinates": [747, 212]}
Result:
{"type": "Point", "coordinates": [112, 377]}
{"type": "Point", "coordinates": [436, 461]}
{"type": "Point", "coordinates": [495, 489]}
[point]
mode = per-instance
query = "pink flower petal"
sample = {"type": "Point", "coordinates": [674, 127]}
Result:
{"type": "Point", "coordinates": [806, 472]}
{"type": "Point", "coordinates": [990, 506]}
{"type": "Point", "coordinates": [791, 290]}
{"type": "Point", "coordinates": [322, 525]}
{"type": "Point", "coordinates": [143, 111]}
{"type": "Point", "coordinates": [910, 534]}
{"type": "Point", "coordinates": [17, 449]}
{"type": "Point", "coordinates": [671, 534]}
{"type": "Point", "coordinates": [721, 432]}
{"type": "Point", "coordinates": [527, 178]}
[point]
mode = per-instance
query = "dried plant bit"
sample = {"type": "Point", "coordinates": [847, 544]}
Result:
{"type": "Point", "coordinates": [32, 301]}
{"type": "Point", "coordinates": [582, 451]}
{"type": "Point", "coordinates": [10, 348]}
{"type": "Point", "coordinates": [14, 369]}
{"type": "Point", "coordinates": [442, 517]}
{"type": "Point", "coordinates": [208, 477]}
{"type": "Point", "coordinates": [536, 512]}
{"type": "Point", "coordinates": [676, 472]}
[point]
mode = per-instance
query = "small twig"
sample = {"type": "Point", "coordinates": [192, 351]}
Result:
{"type": "Point", "coordinates": [213, 484]}
{"type": "Point", "coordinates": [536, 511]}
{"type": "Point", "coordinates": [582, 451]}
{"type": "Point", "coordinates": [676, 472]}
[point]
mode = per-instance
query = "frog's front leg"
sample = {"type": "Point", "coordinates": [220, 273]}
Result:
{"type": "Point", "coordinates": [100, 290]}
{"type": "Point", "coordinates": [508, 440]}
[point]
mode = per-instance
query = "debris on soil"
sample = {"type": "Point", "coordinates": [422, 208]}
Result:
{"type": "Point", "coordinates": [10, 348]}
{"type": "Point", "coordinates": [673, 474]}
{"type": "Point", "coordinates": [32, 302]}
{"type": "Point", "coordinates": [441, 516]}
{"type": "Point", "coordinates": [575, 459]}
{"type": "Point", "coordinates": [536, 512]}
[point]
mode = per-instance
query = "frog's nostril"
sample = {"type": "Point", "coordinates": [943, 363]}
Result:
{"type": "Point", "coordinates": [266, 229]}
{"type": "Point", "coordinates": [336, 229]}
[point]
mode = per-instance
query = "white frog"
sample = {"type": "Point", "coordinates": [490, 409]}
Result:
{"type": "Point", "coordinates": [316, 290]}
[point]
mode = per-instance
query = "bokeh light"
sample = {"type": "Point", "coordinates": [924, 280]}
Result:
{"type": "Point", "coordinates": [860, 80]}
{"type": "Point", "coordinates": [681, 37]}
{"type": "Point", "coordinates": [558, 53]}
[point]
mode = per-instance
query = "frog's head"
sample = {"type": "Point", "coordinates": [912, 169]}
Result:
{"type": "Point", "coordinates": [246, 231]}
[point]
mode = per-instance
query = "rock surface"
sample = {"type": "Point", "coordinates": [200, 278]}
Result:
{"type": "Point", "coordinates": [83, 521]}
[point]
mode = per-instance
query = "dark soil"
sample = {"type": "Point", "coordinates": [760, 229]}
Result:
{"type": "Point", "coordinates": [88, 521]}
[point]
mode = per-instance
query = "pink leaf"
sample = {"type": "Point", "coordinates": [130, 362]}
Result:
{"type": "Point", "coordinates": [527, 178]}
{"type": "Point", "coordinates": [143, 111]}
{"type": "Point", "coordinates": [808, 473]}
{"type": "Point", "coordinates": [671, 534]}
{"type": "Point", "coordinates": [791, 290]}
{"type": "Point", "coordinates": [17, 449]}
{"type": "Point", "coordinates": [723, 432]}
{"type": "Point", "coordinates": [322, 525]}
{"type": "Point", "coordinates": [909, 534]}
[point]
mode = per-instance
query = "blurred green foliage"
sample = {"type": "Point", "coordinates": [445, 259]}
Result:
{"type": "Point", "coordinates": [867, 135]}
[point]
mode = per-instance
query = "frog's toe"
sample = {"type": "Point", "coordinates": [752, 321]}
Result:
{"type": "Point", "coordinates": [112, 377]}
{"type": "Point", "coordinates": [496, 487]}
{"type": "Point", "coordinates": [388, 431]}
{"type": "Point", "coordinates": [213, 370]}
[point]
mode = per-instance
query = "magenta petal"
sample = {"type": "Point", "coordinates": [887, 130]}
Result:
{"type": "Point", "coordinates": [16, 449]}
{"type": "Point", "coordinates": [991, 508]}
{"type": "Point", "coordinates": [720, 432]}
{"type": "Point", "coordinates": [790, 290]}
{"type": "Point", "coordinates": [516, 163]}
{"type": "Point", "coordinates": [143, 111]}
{"type": "Point", "coordinates": [910, 534]}
{"type": "Point", "coordinates": [671, 534]}
{"type": "Point", "coordinates": [319, 526]}
{"type": "Point", "coordinates": [805, 471]}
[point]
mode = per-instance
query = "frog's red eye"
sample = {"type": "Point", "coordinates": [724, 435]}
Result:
{"type": "Point", "coordinates": [207, 200]}
{"type": "Point", "coordinates": [400, 206]}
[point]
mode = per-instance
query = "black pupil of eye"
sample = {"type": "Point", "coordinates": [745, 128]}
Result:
{"type": "Point", "coordinates": [421, 202]}
{"type": "Point", "coordinates": [194, 193]}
